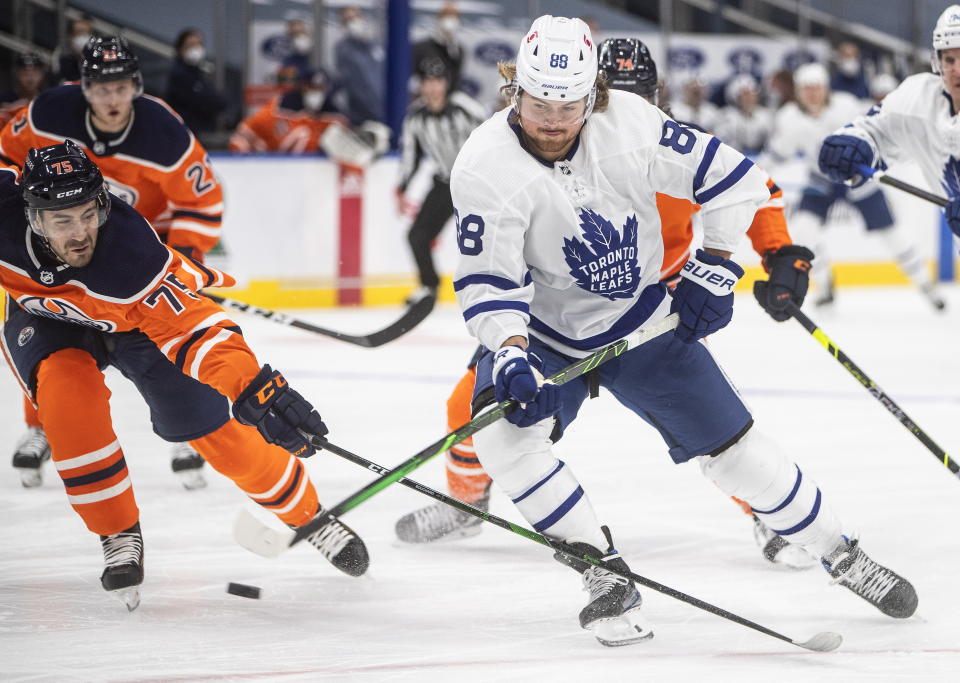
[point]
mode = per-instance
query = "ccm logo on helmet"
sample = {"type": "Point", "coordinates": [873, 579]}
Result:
{"type": "Point", "coordinates": [69, 193]}
{"type": "Point", "coordinates": [532, 36]}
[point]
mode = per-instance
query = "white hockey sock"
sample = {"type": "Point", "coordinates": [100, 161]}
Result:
{"type": "Point", "coordinates": [908, 257]}
{"type": "Point", "coordinates": [785, 499]}
{"type": "Point", "coordinates": [544, 489]}
{"type": "Point", "coordinates": [812, 228]}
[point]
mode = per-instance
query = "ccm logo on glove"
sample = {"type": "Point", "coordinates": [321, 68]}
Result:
{"type": "Point", "coordinates": [717, 279]}
{"type": "Point", "coordinates": [269, 389]}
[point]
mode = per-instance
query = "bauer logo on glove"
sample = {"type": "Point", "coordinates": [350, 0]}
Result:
{"type": "Point", "coordinates": [716, 278]}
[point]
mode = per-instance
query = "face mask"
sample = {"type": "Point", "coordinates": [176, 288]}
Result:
{"type": "Point", "coordinates": [194, 55]}
{"type": "Point", "coordinates": [849, 66]}
{"type": "Point", "coordinates": [449, 25]}
{"type": "Point", "coordinates": [358, 29]}
{"type": "Point", "coordinates": [79, 41]}
{"type": "Point", "coordinates": [302, 44]}
{"type": "Point", "coordinates": [313, 99]}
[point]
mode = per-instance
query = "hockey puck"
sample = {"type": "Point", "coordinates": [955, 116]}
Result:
{"type": "Point", "coordinates": [244, 591]}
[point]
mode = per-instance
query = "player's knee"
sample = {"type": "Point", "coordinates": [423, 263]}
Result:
{"type": "Point", "coordinates": [514, 457]}
{"type": "Point", "coordinates": [63, 378]}
{"type": "Point", "coordinates": [753, 468]}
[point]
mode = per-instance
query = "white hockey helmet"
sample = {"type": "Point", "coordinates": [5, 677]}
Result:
{"type": "Point", "coordinates": [558, 61]}
{"type": "Point", "coordinates": [946, 34]}
{"type": "Point", "coordinates": [813, 73]}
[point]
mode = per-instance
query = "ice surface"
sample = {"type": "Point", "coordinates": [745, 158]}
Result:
{"type": "Point", "coordinates": [496, 607]}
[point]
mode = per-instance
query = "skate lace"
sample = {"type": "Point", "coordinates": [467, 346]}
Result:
{"type": "Point", "coordinates": [33, 443]}
{"type": "Point", "coordinates": [330, 539]}
{"type": "Point", "coordinates": [867, 578]}
{"type": "Point", "coordinates": [122, 548]}
{"type": "Point", "coordinates": [599, 582]}
{"type": "Point", "coordinates": [435, 518]}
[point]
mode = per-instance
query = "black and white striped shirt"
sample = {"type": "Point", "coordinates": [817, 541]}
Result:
{"type": "Point", "coordinates": [439, 135]}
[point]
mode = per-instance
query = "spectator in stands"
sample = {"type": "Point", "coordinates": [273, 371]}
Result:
{"type": "Point", "coordinates": [300, 46]}
{"type": "Point", "coordinates": [189, 90]}
{"type": "Point", "coordinates": [882, 85]}
{"type": "Point", "coordinates": [780, 89]}
{"type": "Point", "coordinates": [442, 45]}
{"type": "Point", "coordinates": [293, 122]}
{"type": "Point", "coordinates": [29, 78]}
{"type": "Point", "coordinates": [693, 106]}
{"type": "Point", "coordinates": [67, 59]}
{"type": "Point", "coordinates": [848, 73]}
{"type": "Point", "coordinates": [359, 65]}
{"type": "Point", "coordinates": [744, 124]}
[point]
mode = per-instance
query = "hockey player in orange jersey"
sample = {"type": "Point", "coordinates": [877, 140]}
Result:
{"type": "Point", "coordinates": [149, 158]}
{"type": "Point", "coordinates": [628, 66]}
{"type": "Point", "coordinates": [90, 284]}
{"type": "Point", "coordinates": [304, 120]}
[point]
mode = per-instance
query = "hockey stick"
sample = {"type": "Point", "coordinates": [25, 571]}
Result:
{"type": "Point", "coordinates": [413, 316]}
{"type": "Point", "coordinates": [268, 542]}
{"type": "Point", "coordinates": [882, 177]}
{"type": "Point", "coordinates": [821, 642]}
{"type": "Point", "coordinates": [874, 389]}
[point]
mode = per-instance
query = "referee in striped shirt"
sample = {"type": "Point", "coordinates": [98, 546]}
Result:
{"type": "Point", "coordinates": [437, 124]}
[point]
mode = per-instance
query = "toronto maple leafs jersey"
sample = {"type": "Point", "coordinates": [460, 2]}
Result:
{"type": "Point", "coordinates": [916, 122]}
{"type": "Point", "coordinates": [797, 133]}
{"type": "Point", "coordinates": [571, 251]}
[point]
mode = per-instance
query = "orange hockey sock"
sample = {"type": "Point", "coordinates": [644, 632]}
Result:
{"type": "Point", "coordinates": [268, 474]}
{"type": "Point", "coordinates": [466, 478]}
{"type": "Point", "coordinates": [75, 412]}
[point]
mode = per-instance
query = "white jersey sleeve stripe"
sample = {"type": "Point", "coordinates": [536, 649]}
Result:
{"type": "Point", "coordinates": [705, 162]}
{"type": "Point", "coordinates": [726, 183]}
{"type": "Point", "coordinates": [492, 280]}
{"type": "Point", "coordinates": [486, 306]}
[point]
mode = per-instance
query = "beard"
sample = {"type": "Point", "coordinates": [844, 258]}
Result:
{"type": "Point", "coordinates": [66, 254]}
{"type": "Point", "coordinates": [549, 145]}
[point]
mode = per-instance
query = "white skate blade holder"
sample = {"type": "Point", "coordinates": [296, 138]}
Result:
{"type": "Point", "coordinates": [627, 629]}
{"type": "Point", "coordinates": [129, 596]}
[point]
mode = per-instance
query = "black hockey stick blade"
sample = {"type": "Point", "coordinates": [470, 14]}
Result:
{"type": "Point", "coordinates": [821, 642]}
{"type": "Point", "coordinates": [415, 314]}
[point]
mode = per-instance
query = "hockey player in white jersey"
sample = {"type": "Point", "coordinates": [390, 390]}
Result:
{"type": "Point", "coordinates": [561, 249]}
{"type": "Point", "coordinates": [799, 128]}
{"type": "Point", "coordinates": [917, 121]}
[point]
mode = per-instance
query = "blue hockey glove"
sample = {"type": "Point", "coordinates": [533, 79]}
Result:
{"type": "Point", "coordinates": [704, 295]}
{"type": "Point", "coordinates": [514, 378]}
{"type": "Point", "coordinates": [277, 411]}
{"type": "Point", "coordinates": [952, 213]}
{"type": "Point", "coordinates": [789, 269]}
{"type": "Point", "coordinates": [840, 156]}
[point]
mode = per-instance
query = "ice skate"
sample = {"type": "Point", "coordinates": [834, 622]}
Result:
{"type": "Point", "coordinates": [187, 464]}
{"type": "Point", "coordinates": [825, 294]}
{"type": "Point", "coordinates": [932, 294]}
{"type": "Point", "coordinates": [613, 607]}
{"type": "Point", "coordinates": [420, 293]}
{"type": "Point", "coordinates": [32, 451]}
{"type": "Point", "coordinates": [777, 550]}
{"type": "Point", "coordinates": [341, 546]}
{"type": "Point", "coordinates": [123, 560]}
{"type": "Point", "coordinates": [440, 522]}
{"type": "Point", "coordinates": [881, 587]}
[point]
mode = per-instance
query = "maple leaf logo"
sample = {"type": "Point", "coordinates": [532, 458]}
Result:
{"type": "Point", "coordinates": [605, 263]}
{"type": "Point", "coordinates": [951, 177]}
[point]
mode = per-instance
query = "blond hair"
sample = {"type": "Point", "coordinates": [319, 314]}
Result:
{"type": "Point", "coordinates": [508, 71]}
